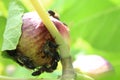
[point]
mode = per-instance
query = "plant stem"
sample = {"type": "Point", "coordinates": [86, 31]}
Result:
{"type": "Point", "coordinates": [64, 45]}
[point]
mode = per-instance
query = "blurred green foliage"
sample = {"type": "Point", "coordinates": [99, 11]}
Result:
{"type": "Point", "coordinates": [94, 28]}
{"type": "Point", "coordinates": [13, 26]}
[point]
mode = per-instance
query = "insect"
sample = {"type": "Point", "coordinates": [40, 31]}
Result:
{"type": "Point", "coordinates": [45, 68]}
{"type": "Point", "coordinates": [39, 71]}
{"type": "Point", "coordinates": [20, 59]}
{"type": "Point", "coordinates": [49, 49]}
{"type": "Point", "coordinates": [27, 62]}
{"type": "Point", "coordinates": [52, 13]}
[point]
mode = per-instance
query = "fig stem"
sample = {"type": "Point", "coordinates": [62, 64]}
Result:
{"type": "Point", "coordinates": [64, 47]}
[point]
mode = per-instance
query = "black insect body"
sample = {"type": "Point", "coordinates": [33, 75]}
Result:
{"type": "Point", "coordinates": [49, 49]}
{"type": "Point", "coordinates": [14, 56]}
{"type": "Point", "coordinates": [55, 56]}
{"type": "Point", "coordinates": [52, 13]}
{"type": "Point", "coordinates": [27, 62]}
{"type": "Point", "coordinates": [45, 69]}
{"type": "Point", "coordinates": [39, 71]}
{"type": "Point", "coordinates": [20, 59]}
{"type": "Point", "coordinates": [52, 67]}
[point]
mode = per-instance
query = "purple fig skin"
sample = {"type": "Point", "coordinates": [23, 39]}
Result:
{"type": "Point", "coordinates": [34, 36]}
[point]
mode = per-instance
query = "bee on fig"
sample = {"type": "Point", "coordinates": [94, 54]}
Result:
{"type": "Point", "coordinates": [52, 13]}
{"type": "Point", "coordinates": [39, 71]}
{"type": "Point", "coordinates": [27, 62]}
{"type": "Point", "coordinates": [20, 59]}
{"type": "Point", "coordinates": [49, 49]}
{"type": "Point", "coordinates": [44, 68]}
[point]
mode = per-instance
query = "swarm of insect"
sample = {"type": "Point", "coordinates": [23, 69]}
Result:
{"type": "Point", "coordinates": [37, 49]}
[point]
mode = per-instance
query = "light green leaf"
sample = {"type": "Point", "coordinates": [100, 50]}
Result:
{"type": "Point", "coordinates": [83, 77]}
{"type": "Point", "coordinates": [96, 21]}
{"type": "Point", "coordinates": [2, 26]}
{"type": "Point", "coordinates": [13, 27]}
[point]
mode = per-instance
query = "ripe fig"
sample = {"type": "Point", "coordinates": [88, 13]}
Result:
{"type": "Point", "coordinates": [37, 49]}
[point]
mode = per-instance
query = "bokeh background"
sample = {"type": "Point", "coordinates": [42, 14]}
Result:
{"type": "Point", "coordinates": [94, 28]}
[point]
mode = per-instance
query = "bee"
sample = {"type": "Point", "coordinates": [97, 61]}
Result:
{"type": "Point", "coordinates": [52, 13]}
{"type": "Point", "coordinates": [39, 71]}
{"type": "Point", "coordinates": [27, 62]}
{"type": "Point", "coordinates": [49, 49]}
{"type": "Point", "coordinates": [44, 68]}
{"type": "Point", "coordinates": [20, 59]}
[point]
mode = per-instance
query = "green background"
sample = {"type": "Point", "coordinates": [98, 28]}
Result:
{"type": "Point", "coordinates": [94, 28]}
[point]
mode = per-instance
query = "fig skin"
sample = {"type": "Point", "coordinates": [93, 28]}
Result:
{"type": "Point", "coordinates": [34, 36]}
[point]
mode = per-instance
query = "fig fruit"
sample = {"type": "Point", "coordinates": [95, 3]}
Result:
{"type": "Point", "coordinates": [37, 49]}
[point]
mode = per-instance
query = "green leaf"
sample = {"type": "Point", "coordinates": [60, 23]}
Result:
{"type": "Point", "coordinates": [96, 21]}
{"type": "Point", "coordinates": [81, 76]}
{"type": "Point", "coordinates": [13, 27]}
{"type": "Point", "coordinates": [3, 11]}
{"type": "Point", "coordinates": [2, 26]}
